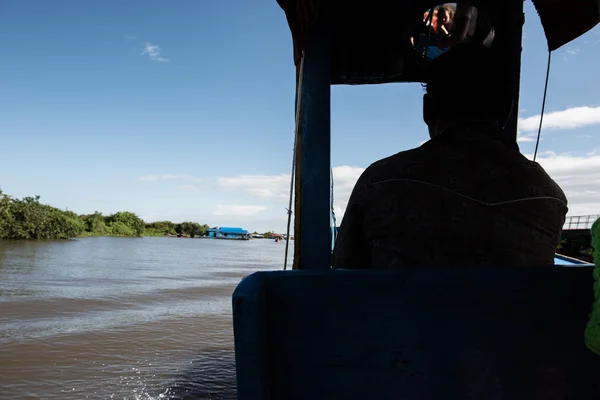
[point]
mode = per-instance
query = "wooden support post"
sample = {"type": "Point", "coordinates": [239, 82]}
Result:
{"type": "Point", "coordinates": [313, 220]}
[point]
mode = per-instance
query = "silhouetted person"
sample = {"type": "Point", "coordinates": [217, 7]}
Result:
{"type": "Point", "coordinates": [467, 197]}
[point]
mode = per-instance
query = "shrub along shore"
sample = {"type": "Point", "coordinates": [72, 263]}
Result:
{"type": "Point", "coordinates": [28, 218]}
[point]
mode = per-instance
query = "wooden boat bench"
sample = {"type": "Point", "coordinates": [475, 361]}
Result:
{"type": "Point", "coordinates": [418, 333]}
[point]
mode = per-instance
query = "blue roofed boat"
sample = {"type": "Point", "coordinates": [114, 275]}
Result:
{"type": "Point", "coordinates": [228, 233]}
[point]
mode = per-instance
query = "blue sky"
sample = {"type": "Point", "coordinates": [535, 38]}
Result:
{"type": "Point", "coordinates": [184, 110]}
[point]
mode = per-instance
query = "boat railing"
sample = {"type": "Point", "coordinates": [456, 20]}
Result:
{"type": "Point", "coordinates": [580, 221]}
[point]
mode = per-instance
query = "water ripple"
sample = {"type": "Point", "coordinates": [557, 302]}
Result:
{"type": "Point", "coordinates": [117, 318]}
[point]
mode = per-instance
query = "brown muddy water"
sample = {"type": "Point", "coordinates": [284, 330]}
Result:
{"type": "Point", "coordinates": [121, 318]}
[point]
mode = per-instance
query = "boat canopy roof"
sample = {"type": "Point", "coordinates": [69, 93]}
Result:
{"type": "Point", "coordinates": [229, 229]}
{"type": "Point", "coordinates": [371, 39]}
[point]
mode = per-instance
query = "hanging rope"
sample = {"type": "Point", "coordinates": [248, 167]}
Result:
{"type": "Point", "coordinates": [334, 234]}
{"type": "Point", "coordinates": [289, 209]}
{"type": "Point", "coordinates": [537, 143]}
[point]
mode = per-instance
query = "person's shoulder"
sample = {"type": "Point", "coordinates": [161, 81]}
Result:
{"type": "Point", "coordinates": [530, 168]}
{"type": "Point", "coordinates": [536, 176]}
{"type": "Point", "coordinates": [381, 169]}
{"type": "Point", "coordinates": [378, 171]}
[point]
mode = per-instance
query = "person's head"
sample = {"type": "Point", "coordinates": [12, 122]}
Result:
{"type": "Point", "coordinates": [445, 15]}
{"type": "Point", "coordinates": [465, 84]}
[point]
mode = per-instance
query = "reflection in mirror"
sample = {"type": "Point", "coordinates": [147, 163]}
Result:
{"type": "Point", "coordinates": [449, 24]}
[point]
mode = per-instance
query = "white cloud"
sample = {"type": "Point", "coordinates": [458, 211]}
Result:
{"type": "Point", "coordinates": [277, 187]}
{"type": "Point", "coordinates": [571, 118]}
{"type": "Point", "coordinates": [592, 152]}
{"type": "Point", "coordinates": [153, 52]}
{"type": "Point", "coordinates": [160, 177]}
{"type": "Point", "coordinates": [344, 179]}
{"type": "Point", "coordinates": [190, 188]}
{"type": "Point", "coordinates": [570, 52]}
{"type": "Point", "coordinates": [262, 186]}
{"type": "Point", "coordinates": [238, 210]}
{"type": "Point", "coordinates": [521, 138]}
{"type": "Point", "coordinates": [578, 176]}
{"type": "Point", "coordinates": [573, 51]}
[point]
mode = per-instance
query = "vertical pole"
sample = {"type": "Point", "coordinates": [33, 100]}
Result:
{"type": "Point", "coordinates": [298, 188]}
{"type": "Point", "coordinates": [514, 36]}
{"type": "Point", "coordinates": [315, 152]}
{"type": "Point", "coordinates": [295, 169]}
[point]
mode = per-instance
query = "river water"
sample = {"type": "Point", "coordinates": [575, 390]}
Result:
{"type": "Point", "coordinates": [122, 318]}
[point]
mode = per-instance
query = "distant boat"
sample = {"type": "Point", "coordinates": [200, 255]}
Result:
{"type": "Point", "coordinates": [228, 233]}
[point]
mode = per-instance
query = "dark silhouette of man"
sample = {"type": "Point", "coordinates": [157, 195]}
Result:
{"type": "Point", "coordinates": [467, 197]}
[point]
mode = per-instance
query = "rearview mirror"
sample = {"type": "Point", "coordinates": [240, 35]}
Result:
{"type": "Point", "coordinates": [449, 24]}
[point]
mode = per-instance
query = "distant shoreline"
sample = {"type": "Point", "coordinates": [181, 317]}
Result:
{"type": "Point", "coordinates": [29, 219]}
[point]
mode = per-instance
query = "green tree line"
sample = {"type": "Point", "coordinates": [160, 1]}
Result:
{"type": "Point", "coordinates": [28, 218]}
{"type": "Point", "coordinates": [162, 228]}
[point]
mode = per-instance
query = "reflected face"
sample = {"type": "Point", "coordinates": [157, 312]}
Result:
{"type": "Point", "coordinates": [444, 17]}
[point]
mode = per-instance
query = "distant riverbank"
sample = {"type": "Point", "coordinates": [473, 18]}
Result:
{"type": "Point", "coordinates": [29, 219]}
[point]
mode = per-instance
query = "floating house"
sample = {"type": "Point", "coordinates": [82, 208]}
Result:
{"type": "Point", "coordinates": [228, 233]}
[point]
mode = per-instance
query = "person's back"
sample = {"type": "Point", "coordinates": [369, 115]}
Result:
{"type": "Point", "coordinates": [467, 197]}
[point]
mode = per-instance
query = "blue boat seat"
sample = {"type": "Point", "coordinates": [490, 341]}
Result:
{"type": "Point", "coordinates": [419, 333]}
